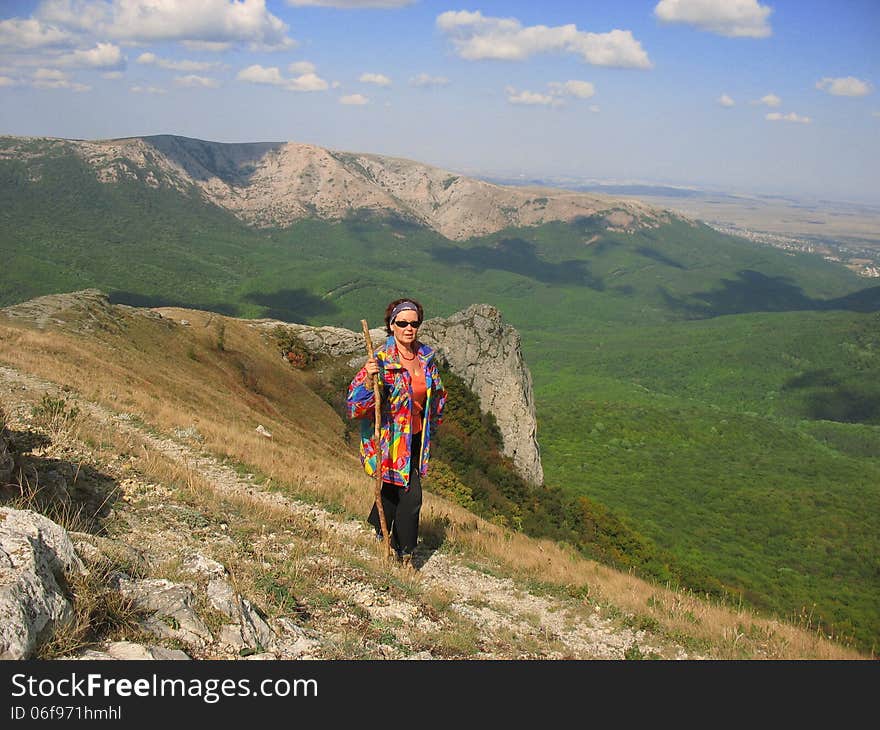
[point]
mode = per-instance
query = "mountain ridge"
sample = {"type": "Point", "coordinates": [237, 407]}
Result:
{"type": "Point", "coordinates": [273, 184]}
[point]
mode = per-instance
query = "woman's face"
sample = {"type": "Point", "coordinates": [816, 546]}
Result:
{"type": "Point", "coordinates": [406, 334]}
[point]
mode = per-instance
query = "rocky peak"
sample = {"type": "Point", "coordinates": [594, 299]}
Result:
{"type": "Point", "coordinates": [487, 355]}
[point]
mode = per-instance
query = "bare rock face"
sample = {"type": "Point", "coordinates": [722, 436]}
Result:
{"type": "Point", "coordinates": [35, 553]}
{"type": "Point", "coordinates": [477, 346]}
{"type": "Point", "coordinates": [487, 355]}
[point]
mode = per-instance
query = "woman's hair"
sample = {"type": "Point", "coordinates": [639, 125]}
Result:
{"type": "Point", "coordinates": [390, 308]}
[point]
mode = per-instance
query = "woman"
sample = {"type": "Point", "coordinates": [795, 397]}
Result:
{"type": "Point", "coordinates": [412, 404]}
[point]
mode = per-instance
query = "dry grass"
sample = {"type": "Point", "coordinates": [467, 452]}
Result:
{"type": "Point", "coordinates": [175, 377]}
{"type": "Point", "coordinates": [100, 613]}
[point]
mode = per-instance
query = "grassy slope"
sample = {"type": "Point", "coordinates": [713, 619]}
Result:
{"type": "Point", "coordinates": [620, 332]}
{"type": "Point", "coordinates": [167, 377]}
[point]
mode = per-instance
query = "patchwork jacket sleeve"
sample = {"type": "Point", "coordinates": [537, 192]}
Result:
{"type": "Point", "coordinates": [361, 401]}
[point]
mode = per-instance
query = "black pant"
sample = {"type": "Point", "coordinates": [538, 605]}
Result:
{"type": "Point", "coordinates": [402, 506]}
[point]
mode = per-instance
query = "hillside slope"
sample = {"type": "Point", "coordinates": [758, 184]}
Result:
{"type": "Point", "coordinates": [148, 420]}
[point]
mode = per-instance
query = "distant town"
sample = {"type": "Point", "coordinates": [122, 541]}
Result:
{"type": "Point", "coordinates": [863, 260]}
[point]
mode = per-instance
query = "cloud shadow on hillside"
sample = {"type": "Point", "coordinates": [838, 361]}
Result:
{"type": "Point", "coordinates": [235, 163]}
{"type": "Point", "coordinates": [659, 257]}
{"type": "Point", "coordinates": [826, 398]}
{"type": "Point", "coordinates": [753, 291]}
{"type": "Point", "coordinates": [519, 257]}
{"type": "Point", "coordinates": [136, 299]}
{"type": "Point", "coordinates": [292, 305]}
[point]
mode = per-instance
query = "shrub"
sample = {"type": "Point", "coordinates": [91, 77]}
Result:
{"type": "Point", "coordinates": [293, 349]}
{"type": "Point", "coordinates": [55, 414]}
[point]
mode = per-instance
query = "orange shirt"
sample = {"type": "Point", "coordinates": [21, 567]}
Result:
{"type": "Point", "coordinates": [419, 388]}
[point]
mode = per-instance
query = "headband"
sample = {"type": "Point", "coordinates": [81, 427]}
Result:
{"type": "Point", "coordinates": [402, 307]}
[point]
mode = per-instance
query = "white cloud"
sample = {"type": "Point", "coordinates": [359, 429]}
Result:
{"type": "Point", "coordinates": [354, 100]}
{"type": "Point", "coordinates": [725, 100]}
{"type": "Point", "coordinates": [790, 117]}
{"type": "Point", "coordinates": [113, 75]}
{"type": "Point", "coordinates": [378, 79]}
{"type": "Point", "coordinates": [476, 37]}
{"type": "Point", "coordinates": [210, 46]}
{"type": "Point", "coordinates": [845, 86]}
{"type": "Point", "coordinates": [875, 114]}
{"type": "Point", "coordinates": [594, 108]}
{"type": "Point", "coordinates": [454, 19]}
{"type": "Point", "coordinates": [19, 34]}
{"type": "Point", "coordinates": [555, 96]}
{"type": "Point", "coordinates": [257, 74]}
{"type": "Point", "coordinates": [8, 81]}
{"type": "Point", "coordinates": [769, 100]}
{"type": "Point", "coordinates": [103, 56]}
{"type": "Point", "coordinates": [301, 67]}
{"type": "Point", "coordinates": [53, 78]}
{"type": "Point", "coordinates": [731, 18]}
{"type": "Point", "coordinates": [151, 59]}
{"type": "Point", "coordinates": [306, 82]}
{"type": "Point", "coordinates": [351, 3]}
{"type": "Point", "coordinates": [199, 21]}
{"type": "Point", "coordinates": [147, 90]}
{"type": "Point", "coordinates": [531, 98]}
{"type": "Point", "coordinates": [580, 89]}
{"type": "Point", "coordinates": [427, 80]}
{"type": "Point", "coordinates": [49, 74]}
{"type": "Point", "coordinates": [192, 80]}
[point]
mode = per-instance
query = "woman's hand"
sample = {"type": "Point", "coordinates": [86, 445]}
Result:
{"type": "Point", "coordinates": [372, 367]}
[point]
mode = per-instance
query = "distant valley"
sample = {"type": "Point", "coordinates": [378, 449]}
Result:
{"type": "Point", "coordinates": [845, 232]}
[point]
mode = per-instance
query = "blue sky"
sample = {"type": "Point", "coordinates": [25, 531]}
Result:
{"type": "Point", "coordinates": [773, 97]}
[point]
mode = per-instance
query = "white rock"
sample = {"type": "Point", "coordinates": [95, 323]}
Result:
{"type": "Point", "coordinates": [199, 564]}
{"type": "Point", "coordinates": [263, 432]}
{"type": "Point", "coordinates": [251, 630]}
{"type": "Point", "coordinates": [34, 553]}
{"type": "Point", "coordinates": [171, 603]}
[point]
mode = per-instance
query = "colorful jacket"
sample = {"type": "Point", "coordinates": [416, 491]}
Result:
{"type": "Point", "coordinates": [395, 433]}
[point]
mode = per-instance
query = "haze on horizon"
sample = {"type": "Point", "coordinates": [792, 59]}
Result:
{"type": "Point", "coordinates": [776, 97]}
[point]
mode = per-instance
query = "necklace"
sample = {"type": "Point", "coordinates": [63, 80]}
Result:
{"type": "Point", "coordinates": [404, 357]}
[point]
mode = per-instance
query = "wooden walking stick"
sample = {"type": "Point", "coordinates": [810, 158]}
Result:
{"type": "Point", "coordinates": [377, 393]}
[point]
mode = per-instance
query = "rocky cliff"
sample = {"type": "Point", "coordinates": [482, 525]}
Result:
{"type": "Point", "coordinates": [487, 355]}
{"type": "Point", "coordinates": [476, 345]}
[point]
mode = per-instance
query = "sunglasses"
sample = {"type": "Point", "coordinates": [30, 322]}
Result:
{"type": "Point", "coordinates": [415, 324]}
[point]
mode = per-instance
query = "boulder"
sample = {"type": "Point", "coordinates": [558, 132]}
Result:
{"type": "Point", "coordinates": [249, 630]}
{"type": "Point", "coordinates": [171, 606]}
{"type": "Point", "coordinates": [36, 555]}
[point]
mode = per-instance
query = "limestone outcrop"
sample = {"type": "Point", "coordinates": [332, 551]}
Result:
{"type": "Point", "coordinates": [35, 555]}
{"type": "Point", "coordinates": [477, 346]}
{"type": "Point", "coordinates": [487, 355]}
